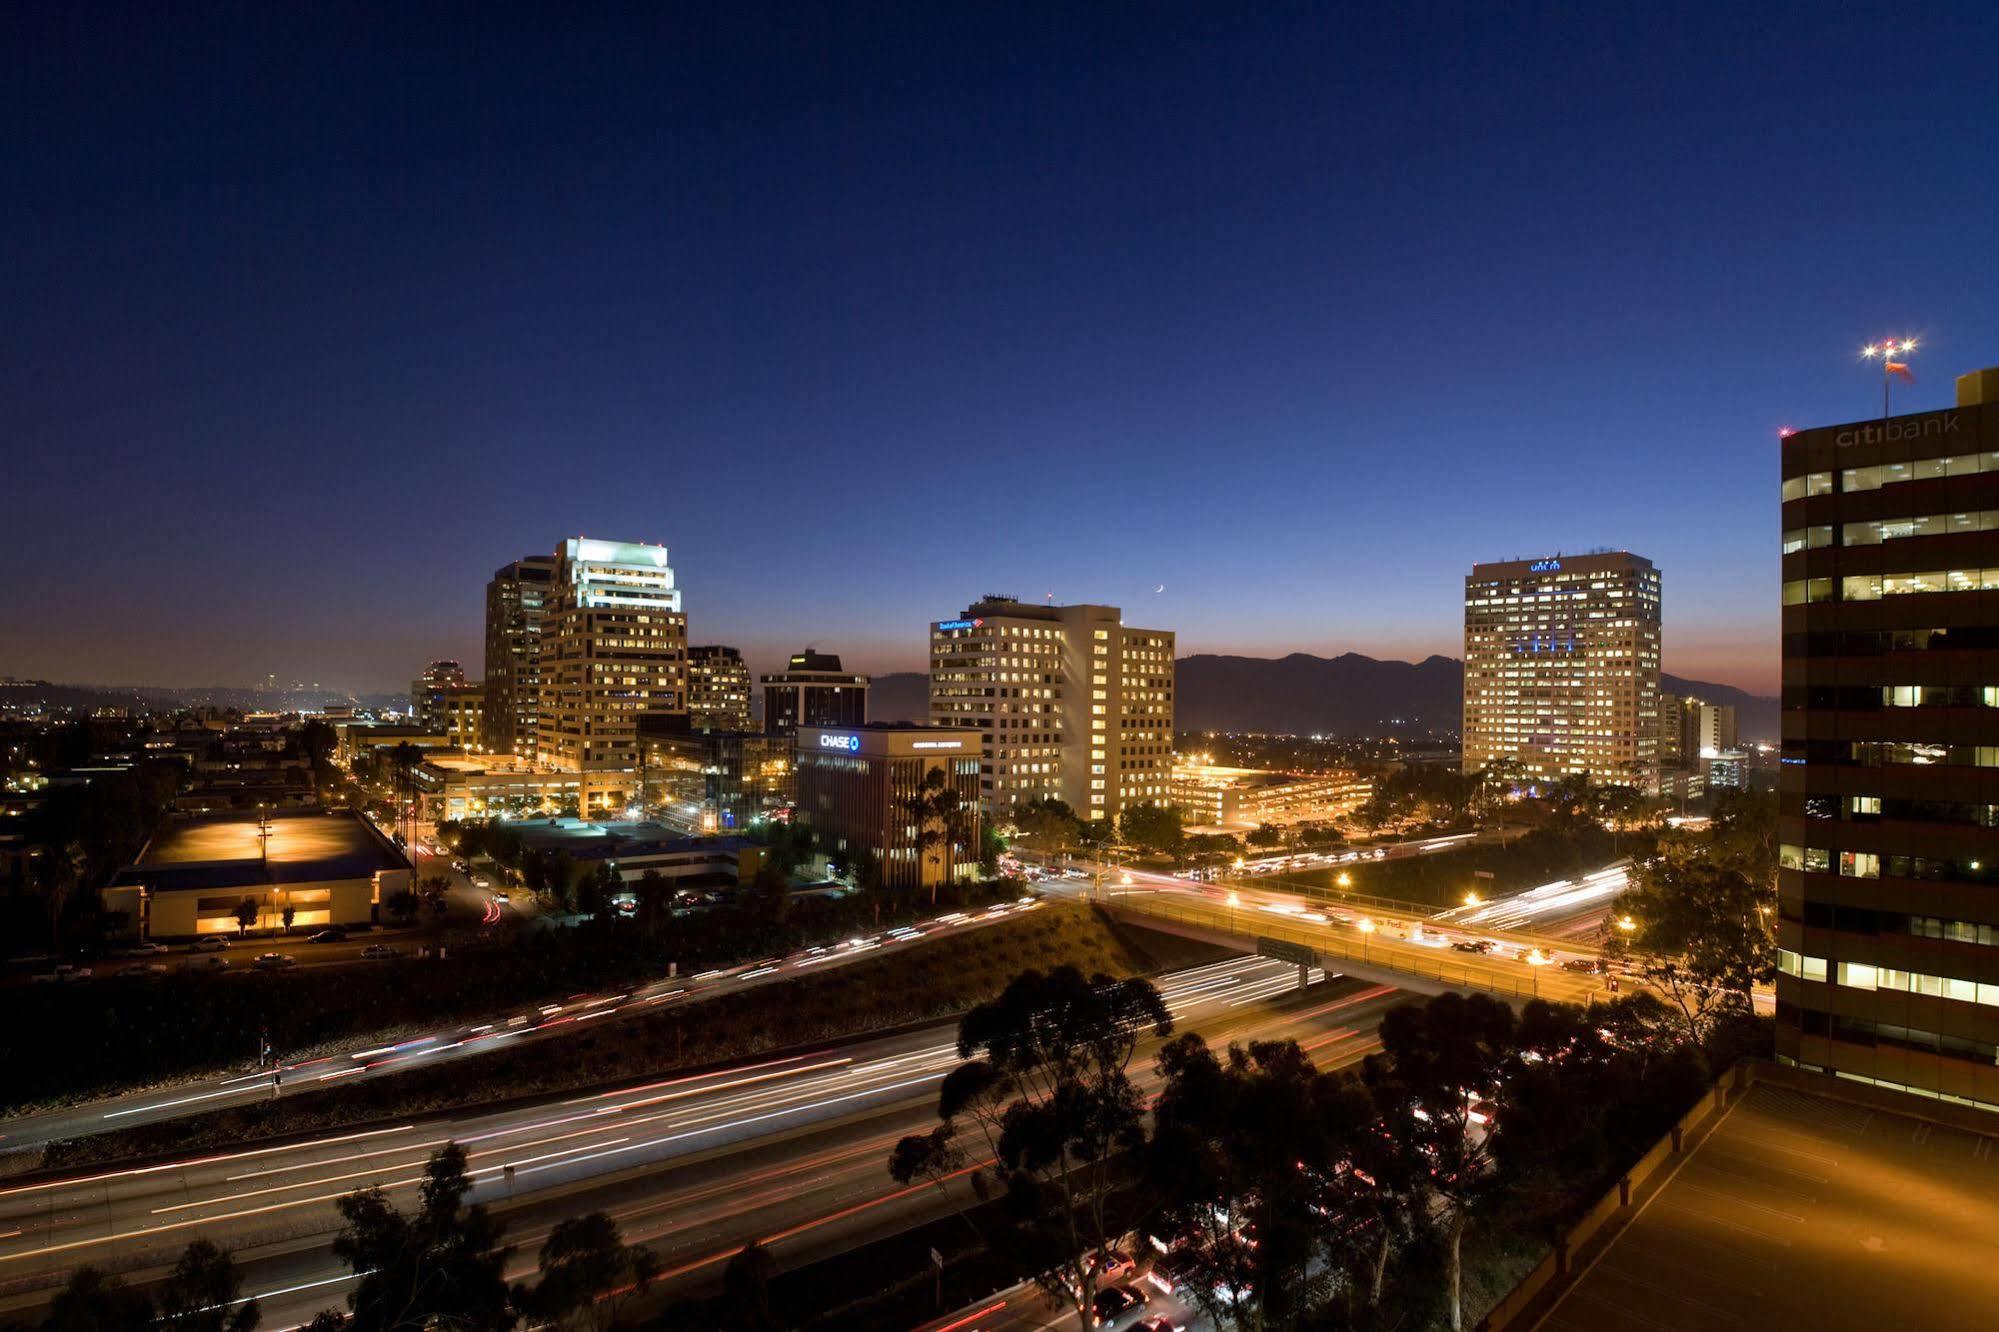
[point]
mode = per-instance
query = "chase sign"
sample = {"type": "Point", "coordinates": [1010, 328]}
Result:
{"type": "Point", "coordinates": [849, 743]}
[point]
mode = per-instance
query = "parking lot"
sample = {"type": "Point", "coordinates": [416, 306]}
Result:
{"type": "Point", "coordinates": [1801, 1211]}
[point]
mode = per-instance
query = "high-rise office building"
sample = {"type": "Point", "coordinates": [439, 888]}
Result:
{"type": "Point", "coordinates": [1562, 667]}
{"type": "Point", "coordinates": [516, 600]}
{"type": "Point", "coordinates": [1714, 728]}
{"type": "Point", "coordinates": [1888, 814]}
{"type": "Point", "coordinates": [812, 690]}
{"type": "Point", "coordinates": [613, 646]}
{"type": "Point", "coordinates": [1073, 703]}
{"type": "Point", "coordinates": [718, 688]}
{"type": "Point", "coordinates": [427, 692]}
{"type": "Point", "coordinates": [1671, 747]}
{"type": "Point", "coordinates": [464, 710]}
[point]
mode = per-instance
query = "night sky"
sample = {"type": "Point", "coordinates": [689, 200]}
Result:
{"type": "Point", "coordinates": [314, 321]}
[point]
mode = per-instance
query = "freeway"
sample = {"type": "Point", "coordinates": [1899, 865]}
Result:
{"type": "Point", "coordinates": [378, 1055]}
{"type": "Point", "coordinates": [790, 1151]}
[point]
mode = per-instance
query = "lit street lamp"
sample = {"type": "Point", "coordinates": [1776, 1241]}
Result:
{"type": "Point", "coordinates": [1234, 902]}
{"type": "Point", "coordinates": [1472, 899]}
{"type": "Point", "coordinates": [1366, 927]}
{"type": "Point", "coordinates": [1345, 880]}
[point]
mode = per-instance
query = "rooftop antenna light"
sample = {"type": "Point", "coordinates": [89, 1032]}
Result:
{"type": "Point", "coordinates": [1893, 354]}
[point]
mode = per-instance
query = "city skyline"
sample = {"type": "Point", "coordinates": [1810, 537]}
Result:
{"type": "Point", "coordinates": [1295, 316]}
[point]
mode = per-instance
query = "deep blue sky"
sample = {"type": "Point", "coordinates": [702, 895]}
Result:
{"type": "Point", "coordinates": [313, 320]}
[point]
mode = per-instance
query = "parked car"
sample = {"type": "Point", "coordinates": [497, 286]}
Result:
{"type": "Point", "coordinates": [1156, 1325]}
{"type": "Point", "coordinates": [208, 943]}
{"type": "Point", "coordinates": [147, 949]}
{"type": "Point", "coordinates": [275, 961]}
{"type": "Point", "coordinates": [151, 969]}
{"type": "Point", "coordinates": [481, 881]}
{"type": "Point", "coordinates": [205, 964]}
{"type": "Point", "coordinates": [67, 971]}
{"type": "Point", "coordinates": [1588, 966]}
{"type": "Point", "coordinates": [375, 951]}
{"type": "Point", "coordinates": [328, 936]}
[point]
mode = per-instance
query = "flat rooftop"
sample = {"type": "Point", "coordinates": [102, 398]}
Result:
{"type": "Point", "coordinates": [224, 850]}
{"type": "Point", "coordinates": [583, 839]}
{"type": "Point", "coordinates": [1802, 1211]}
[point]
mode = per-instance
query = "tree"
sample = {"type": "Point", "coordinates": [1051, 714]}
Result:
{"type": "Point", "coordinates": [1249, 1155]}
{"type": "Point", "coordinates": [746, 1289]}
{"type": "Point", "coordinates": [61, 872]}
{"type": "Point", "coordinates": [246, 915]}
{"type": "Point", "coordinates": [1439, 1060]}
{"type": "Point", "coordinates": [288, 915]}
{"type": "Point", "coordinates": [1154, 827]}
{"type": "Point", "coordinates": [94, 1302]}
{"type": "Point", "coordinates": [201, 1293]}
{"type": "Point", "coordinates": [403, 905]}
{"type": "Point", "coordinates": [1045, 1091]}
{"type": "Point", "coordinates": [1048, 825]}
{"type": "Point", "coordinates": [443, 1263]}
{"type": "Point", "coordinates": [939, 813]}
{"type": "Point", "coordinates": [1700, 928]}
{"type": "Point", "coordinates": [654, 916]}
{"type": "Point", "coordinates": [588, 1273]}
{"type": "Point", "coordinates": [1266, 835]}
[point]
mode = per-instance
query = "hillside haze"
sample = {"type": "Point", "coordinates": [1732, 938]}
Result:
{"type": "Point", "coordinates": [1349, 694]}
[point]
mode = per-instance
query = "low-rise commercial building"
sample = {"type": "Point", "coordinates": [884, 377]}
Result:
{"type": "Point", "coordinates": [475, 786]}
{"type": "Point", "coordinates": [1237, 798]}
{"type": "Point", "coordinates": [191, 879]}
{"type": "Point", "coordinates": [906, 795]}
{"type": "Point", "coordinates": [634, 849]}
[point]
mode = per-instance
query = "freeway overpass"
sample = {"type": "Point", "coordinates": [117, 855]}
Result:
{"type": "Point", "coordinates": [1403, 947]}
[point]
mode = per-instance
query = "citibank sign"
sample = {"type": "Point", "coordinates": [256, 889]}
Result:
{"type": "Point", "coordinates": [849, 743]}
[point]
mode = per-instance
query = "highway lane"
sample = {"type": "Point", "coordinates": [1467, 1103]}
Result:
{"type": "Point", "coordinates": [791, 1151]}
{"type": "Point", "coordinates": [378, 1056]}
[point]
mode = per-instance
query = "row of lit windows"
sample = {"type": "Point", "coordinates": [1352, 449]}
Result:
{"type": "Point", "coordinates": [1867, 976]}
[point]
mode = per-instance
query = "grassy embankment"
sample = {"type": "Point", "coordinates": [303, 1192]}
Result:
{"type": "Point", "coordinates": [925, 982]}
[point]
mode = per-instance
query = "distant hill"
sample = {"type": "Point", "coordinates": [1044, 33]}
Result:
{"type": "Point", "coordinates": [1345, 695]}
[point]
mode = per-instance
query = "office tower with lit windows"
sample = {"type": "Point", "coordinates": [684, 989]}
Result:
{"type": "Point", "coordinates": [812, 690]}
{"type": "Point", "coordinates": [1888, 813]}
{"type": "Point", "coordinates": [516, 600]}
{"type": "Point", "coordinates": [1073, 704]}
{"type": "Point", "coordinates": [718, 688]}
{"type": "Point", "coordinates": [613, 647]}
{"type": "Point", "coordinates": [1562, 667]}
{"type": "Point", "coordinates": [429, 691]}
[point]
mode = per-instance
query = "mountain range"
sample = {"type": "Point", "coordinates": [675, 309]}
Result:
{"type": "Point", "coordinates": [1345, 695]}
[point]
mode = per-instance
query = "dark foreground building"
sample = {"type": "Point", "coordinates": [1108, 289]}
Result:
{"type": "Point", "coordinates": [855, 791]}
{"type": "Point", "coordinates": [1888, 891]}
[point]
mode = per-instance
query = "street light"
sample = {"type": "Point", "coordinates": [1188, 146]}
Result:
{"type": "Point", "coordinates": [1626, 924]}
{"type": "Point", "coordinates": [1473, 899]}
{"type": "Point", "coordinates": [1345, 880]}
{"type": "Point", "coordinates": [1234, 902]}
{"type": "Point", "coordinates": [1366, 927]}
